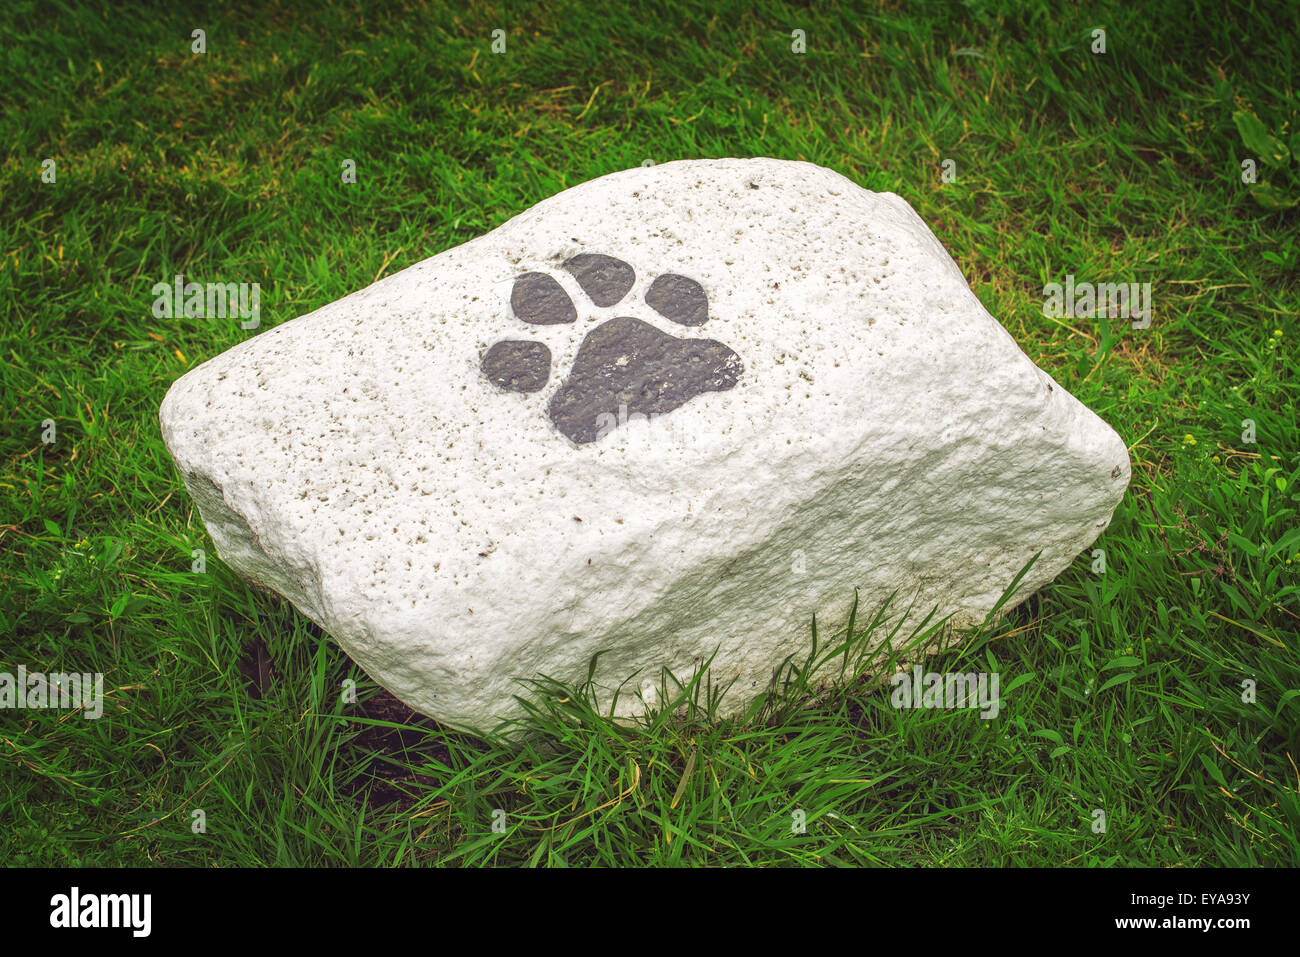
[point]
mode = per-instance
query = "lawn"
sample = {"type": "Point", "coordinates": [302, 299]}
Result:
{"type": "Point", "coordinates": [1151, 711]}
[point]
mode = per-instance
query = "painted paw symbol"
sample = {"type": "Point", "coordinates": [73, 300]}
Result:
{"type": "Point", "coordinates": [624, 366]}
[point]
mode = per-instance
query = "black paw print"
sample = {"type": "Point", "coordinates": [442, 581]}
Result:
{"type": "Point", "coordinates": [623, 361]}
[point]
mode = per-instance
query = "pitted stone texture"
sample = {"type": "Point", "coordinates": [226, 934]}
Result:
{"type": "Point", "coordinates": [884, 434]}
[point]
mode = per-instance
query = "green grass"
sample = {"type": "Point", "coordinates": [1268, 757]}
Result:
{"type": "Point", "coordinates": [1122, 692]}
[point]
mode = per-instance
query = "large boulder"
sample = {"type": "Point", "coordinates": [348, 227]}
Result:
{"type": "Point", "coordinates": [674, 410]}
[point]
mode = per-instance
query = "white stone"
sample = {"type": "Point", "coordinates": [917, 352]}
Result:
{"type": "Point", "coordinates": [884, 433]}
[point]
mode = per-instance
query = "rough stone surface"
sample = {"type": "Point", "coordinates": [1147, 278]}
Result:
{"type": "Point", "coordinates": [844, 414]}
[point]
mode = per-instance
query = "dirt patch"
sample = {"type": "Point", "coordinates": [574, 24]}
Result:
{"type": "Point", "coordinates": [387, 755]}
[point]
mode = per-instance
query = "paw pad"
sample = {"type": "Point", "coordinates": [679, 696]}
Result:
{"type": "Point", "coordinates": [518, 365]}
{"type": "Point", "coordinates": [680, 299]}
{"type": "Point", "coordinates": [539, 299]}
{"type": "Point", "coordinates": [604, 279]}
{"type": "Point", "coordinates": [623, 364]}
